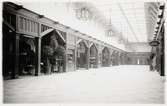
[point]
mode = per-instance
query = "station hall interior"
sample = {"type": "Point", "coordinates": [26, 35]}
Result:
{"type": "Point", "coordinates": [83, 45]}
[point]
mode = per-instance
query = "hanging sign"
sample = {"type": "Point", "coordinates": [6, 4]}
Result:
{"type": "Point", "coordinates": [154, 43]}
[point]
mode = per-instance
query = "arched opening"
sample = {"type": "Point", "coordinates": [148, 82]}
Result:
{"type": "Point", "coordinates": [114, 58]}
{"type": "Point", "coordinates": [93, 63]}
{"type": "Point", "coordinates": [82, 55]}
{"type": "Point", "coordinates": [26, 56]}
{"type": "Point", "coordinates": [105, 57]}
{"type": "Point", "coordinates": [122, 56]}
{"type": "Point", "coordinates": [53, 53]}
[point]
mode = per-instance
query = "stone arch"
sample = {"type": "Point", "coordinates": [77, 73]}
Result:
{"type": "Point", "coordinates": [82, 54]}
{"type": "Point", "coordinates": [82, 40]}
{"type": "Point", "coordinates": [93, 63]}
{"type": "Point", "coordinates": [105, 57]}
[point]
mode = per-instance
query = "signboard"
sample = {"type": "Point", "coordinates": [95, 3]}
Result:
{"type": "Point", "coordinates": [154, 43]}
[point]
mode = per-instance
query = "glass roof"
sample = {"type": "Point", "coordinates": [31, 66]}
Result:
{"type": "Point", "coordinates": [127, 16]}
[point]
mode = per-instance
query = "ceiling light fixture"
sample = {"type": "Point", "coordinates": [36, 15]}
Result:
{"type": "Point", "coordinates": [109, 28]}
{"type": "Point", "coordinates": [83, 14]}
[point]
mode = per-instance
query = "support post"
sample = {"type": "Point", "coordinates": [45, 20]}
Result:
{"type": "Point", "coordinates": [65, 60]}
{"type": "Point", "coordinates": [88, 58]}
{"type": "Point", "coordinates": [38, 57]}
{"type": "Point", "coordinates": [162, 56]}
{"type": "Point", "coordinates": [119, 58]}
{"type": "Point", "coordinates": [15, 73]}
{"type": "Point", "coordinates": [109, 58]}
{"type": "Point", "coordinates": [97, 60]}
{"type": "Point", "coordinates": [76, 51]}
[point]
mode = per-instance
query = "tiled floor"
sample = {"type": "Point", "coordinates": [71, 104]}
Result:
{"type": "Point", "coordinates": [117, 84]}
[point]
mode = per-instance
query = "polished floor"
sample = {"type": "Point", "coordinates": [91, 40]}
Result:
{"type": "Point", "coordinates": [117, 84]}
